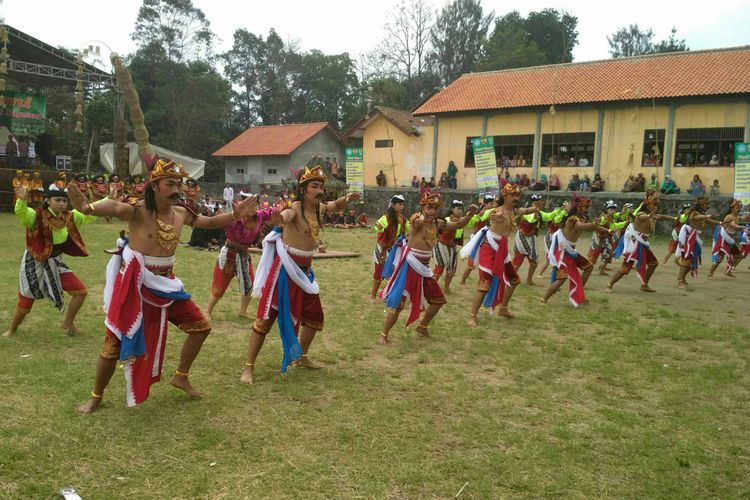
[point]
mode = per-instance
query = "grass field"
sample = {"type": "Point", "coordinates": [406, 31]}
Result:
{"type": "Point", "coordinates": [631, 395]}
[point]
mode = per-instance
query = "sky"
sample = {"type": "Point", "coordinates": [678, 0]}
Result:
{"type": "Point", "coordinates": [336, 26]}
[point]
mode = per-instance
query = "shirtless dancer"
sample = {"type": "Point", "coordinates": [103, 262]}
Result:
{"type": "Point", "coordinates": [726, 241]}
{"type": "Point", "coordinates": [497, 276]}
{"type": "Point", "coordinates": [142, 293]}
{"type": "Point", "coordinates": [688, 250]}
{"type": "Point", "coordinates": [413, 277]}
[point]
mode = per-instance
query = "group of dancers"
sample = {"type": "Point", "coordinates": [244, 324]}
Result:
{"type": "Point", "coordinates": [142, 294]}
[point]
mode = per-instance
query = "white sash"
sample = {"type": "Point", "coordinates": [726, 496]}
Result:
{"type": "Point", "coordinates": [291, 267]}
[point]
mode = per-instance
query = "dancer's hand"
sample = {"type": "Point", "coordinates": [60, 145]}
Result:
{"type": "Point", "coordinates": [22, 192]}
{"type": "Point", "coordinates": [78, 199]}
{"type": "Point", "coordinates": [353, 197]}
{"type": "Point", "coordinates": [242, 209]}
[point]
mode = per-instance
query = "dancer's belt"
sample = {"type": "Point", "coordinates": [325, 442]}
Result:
{"type": "Point", "coordinates": [421, 255]}
{"type": "Point", "coordinates": [236, 247]}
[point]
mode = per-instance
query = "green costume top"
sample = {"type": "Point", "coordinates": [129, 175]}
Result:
{"type": "Point", "coordinates": [27, 216]}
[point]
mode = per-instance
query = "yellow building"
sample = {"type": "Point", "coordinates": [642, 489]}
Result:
{"type": "Point", "coordinates": [396, 143]}
{"type": "Point", "coordinates": [675, 114]}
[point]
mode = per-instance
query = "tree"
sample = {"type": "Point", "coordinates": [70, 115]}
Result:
{"type": "Point", "coordinates": [388, 92]}
{"type": "Point", "coordinates": [671, 44]}
{"type": "Point", "coordinates": [177, 26]}
{"type": "Point", "coordinates": [243, 64]}
{"type": "Point", "coordinates": [510, 46]}
{"type": "Point", "coordinates": [555, 33]}
{"type": "Point", "coordinates": [458, 36]}
{"type": "Point", "coordinates": [631, 41]}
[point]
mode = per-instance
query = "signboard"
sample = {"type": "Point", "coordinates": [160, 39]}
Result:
{"type": "Point", "coordinates": [485, 164]}
{"type": "Point", "coordinates": [355, 170]}
{"type": "Point", "coordinates": [742, 172]}
{"type": "Point", "coordinates": [24, 114]}
{"type": "Point", "coordinates": [62, 162]}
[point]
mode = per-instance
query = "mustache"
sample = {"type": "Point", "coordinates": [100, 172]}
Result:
{"type": "Point", "coordinates": [319, 196]}
{"type": "Point", "coordinates": [174, 196]}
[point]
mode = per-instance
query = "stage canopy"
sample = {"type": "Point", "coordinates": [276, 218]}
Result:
{"type": "Point", "coordinates": [194, 168]}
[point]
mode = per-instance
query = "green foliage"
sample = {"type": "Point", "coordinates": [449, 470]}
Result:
{"type": "Point", "coordinates": [388, 92]}
{"type": "Point", "coordinates": [458, 36]}
{"type": "Point", "coordinates": [634, 41]}
{"type": "Point", "coordinates": [671, 44]}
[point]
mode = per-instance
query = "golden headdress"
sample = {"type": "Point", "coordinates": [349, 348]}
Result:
{"type": "Point", "coordinates": [510, 189]}
{"type": "Point", "coordinates": [160, 168]}
{"type": "Point", "coordinates": [312, 174]}
{"type": "Point", "coordinates": [431, 199]}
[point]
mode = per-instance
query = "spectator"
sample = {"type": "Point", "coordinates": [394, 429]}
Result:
{"type": "Point", "coordinates": [714, 161]}
{"type": "Point", "coordinates": [414, 182]}
{"type": "Point", "coordinates": [696, 187]}
{"type": "Point", "coordinates": [381, 180]}
{"type": "Point", "coordinates": [586, 183]}
{"type": "Point", "coordinates": [640, 183]}
{"type": "Point", "coordinates": [597, 185]}
{"type": "Point", "coordinates": [423, 187]}
{"type": "Point", "coordinates": [583, 162]}
{"type": "Point", "coordinates": [23, 152]}
{"type": "Point", "coordinates": [524, 181]}
{"type": "Point", "coordinates": [714, 189]}
{"type": "Point", "coordinates": [536, 185]}
{"type": "Point", "coordinates": [228, 195]}
{"type": "Point", "coordinates": [452, 172]}
{"type": "Point", "coordinates": [11, 151]}
{"type": "Point", "coordinates": [554, 182]}
{"type": "Point", "coordinates": [431, 184]}
{"type": "Point", "coordinates": [574, 184]}
{"type": "Point", "coordinates": [337, 172]}
{"type": "Point", "coordinates": [521, 161]}
{"type": "Point", "coordinates": [669, 186]}
{"type": "Point", "coordinates": [572, 161]}
{"type": "Point", "coordinates": [629, 185]}
{"type": "Point", "coordinates": [443, 182]}
{"type": "Point", "coordinates": [653, 184]}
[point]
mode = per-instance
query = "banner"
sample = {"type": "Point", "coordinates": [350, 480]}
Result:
{"type": "Point", "coordinates": [742, 172]}
{"type": "Point", "coordinates": [355, 170]}
{"type": "Point", "coordinates": [485, 164]}
{"type": "Point", "coordinates": [24, 114]}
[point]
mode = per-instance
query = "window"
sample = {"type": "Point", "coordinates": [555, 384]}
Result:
{"type": "Point", "coordinates": [653, 148]}
{"type": "Point", "coordinates": [271, 171]}
{"type": "Point", "coordinates": [568, 149]}
{"type": "Point", "coordinates": [384, 143]}
{"type": "Point", "coordinates": [510, 151]}
{"type": "Point", "coordinates": [712, 147]}
{"type": "Point", "coordinates": [240, 170]}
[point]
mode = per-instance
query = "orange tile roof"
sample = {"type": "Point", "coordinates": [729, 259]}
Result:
{"type": "Point", "coordinates": [692, 73]}
{"type": "Point", "coordinates": [273, 140]}
{"type": "Point", "coordinates": [404, 120]}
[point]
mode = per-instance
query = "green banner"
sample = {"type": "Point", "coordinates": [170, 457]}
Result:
{"type": "Point", "coordinates": [24, 114]}
{"type": "Point", "coordinates": [355, 170]}
{"type": "Point", "coordinates": [485, 164]}
{"type": "Point", "coordinates": [742, 172]}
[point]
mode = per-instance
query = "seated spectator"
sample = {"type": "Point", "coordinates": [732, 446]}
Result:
{"type": "Point", "coordinates": [381, 179]}
{"type": "Point", "coordinates": [583, 162]}
{"type": "Point", "coordinates": [521, 161]}
{"type": "Point", "coordinates": [414, 181]}
{"type": "Point", "coordinates": [574, 184]}
{"type": "Point", "coordinates": [714, 161]}
{"type": "Point", "coordinates": [362, 220]}
{"type": "Point", "coordinates": [512, 179]}
{"type": "Point", "coordinates": [423, 187]}
{"type": "Point", "coordinates": [431, 184]}
{"type": "Point", "coordinates": [554, 182]}
{"type": "Point", "coordinates": [572, 161]}
{"type": "Point", "coordinates": [524, 181]}
{"type": "Point", "coordinates": [629, 185]}
{"type": "Point", "coordinates": [597, 185]}
{"type": "Point", "coordinates": [640, 183]}
{"type": "Point", "coordinates": [586, 183]}
{"type": "Point", "coordinates": [714, 189]}
{"type": "Point", "coordinates": [696, 186]}
{"type": "Point", "coordinates": [443, 182]}
{"type": "Point", "coordinates": [669, 186]}
{"type": "Point", "coordinates": [536, 185]}
{"type": "Point", "coordinates": [653, 184]}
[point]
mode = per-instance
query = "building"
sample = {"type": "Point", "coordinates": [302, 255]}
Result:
{"type": "Point", "coordinates": [264, 155]}
{"type": "Point", "coordinates": [396, 142]}
{"type": "Point", "coordinates": [678, 114]}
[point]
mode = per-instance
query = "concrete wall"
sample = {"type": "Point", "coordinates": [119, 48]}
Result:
{"type": "Point", "coordinates": [410, 154]}
{"type": "Point", "coordinates": [452, 134]}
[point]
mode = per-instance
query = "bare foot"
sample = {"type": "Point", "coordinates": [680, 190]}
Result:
{"type": "Point", "coordinates": [730, 273]}
{"type": "Point", "coordinates": [383, 339]}
{"type": "Point", "coordinates": [602, 272]}
{"type": "Point", "coordinates": [247, 376]}
{"type": "Point", "coordinates": [181, 382]}
{"type": "Point", "coordinates": [542, 300]}
{"type": "Point", "coordinates": [710, 276]}
{"type": "Point", "coordinates": [530, 283]}
{"type": "Point", "coordinates": [242, 314]}
{"type": "Point", "coordinates": [89, 406]}
{"type": "Point", "coordinates": [423, 331]}
{"type": "Point", "coordinates": [682, 285]}
{"type": "Point", "coordinates": [608, 289]}
{"type": "Point", "coordinates": [540, 276]}
{"type": "Point", "coordinates": [447, 291]}
{"type": "Point", "coordinates": [472, 321]}
{"type": "Point", "coordinates": [305, 362]}
{"type": "Point", "coordinates": [8, 333]}
{"type": "Point", "coordinates": [71, 330]}
{"type": "Point", "coordinates": [504, 312]}
{"type": "Point", "coordinates": [646, 288]}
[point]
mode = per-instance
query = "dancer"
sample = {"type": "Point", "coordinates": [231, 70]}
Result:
{"type": "Point", "coordinates": [99, 188]}
{"type": "Point", "coordinates": [490, 248]}
{"type": "Point", "coordinates": [51, 230]}
{"type": "Point", "coordinates": [18, 181]}
{"type": "Point", "coordinates": [285, 282]}
{"type": "Point", "coordinates": [725, 241]}
{"type": "Point", "coordinates": [141, 293]}
{"type": "Point", "coordinates": [116, 188]}
{"type": "Point", "coordinates": [561, 211]}
{"type": "Point", "coordinates": [234, 258]}
{"type": "Point", "coordinates": [601, 242]}
{"type": "Point", "coordinates": [192, 194]}
{"type": "Point", "coordinates": [82, 184]}
{"type": "Point", "coordinates": [477, 222]}
{"type": "Point", "coordinates": [679, 221]}
{"type": "Point", "coordinates": [689, 244]}
{"type": "Point", "coordinates": [36, 189]}
{"type": "Point", "coordinates": [528, 229]}
{"type": "Point", "coordinates": [392, 229]}
{"type": "Point", "coordinates": [137, 186]}
{"type": "Point", "coordinates": [413, 277]}
{"type": "Point", "coordinates": [565, 260]}
{"type": "Point", "coordinates": [445, 251]}
{"type": "Point", "coordinates": [634, 246]}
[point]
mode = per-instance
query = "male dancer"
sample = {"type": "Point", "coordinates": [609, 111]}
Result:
{"type": "Point", "coordinates": [82, 184]}
{"type": "Point", "coordinates": [51, 230]}
{"type": "Point", "coordinates": [137, 186]}
{"type": "Point", "coordinates": [688, 251]}
{"type": "Point", "coordinates": [479, 221]}
{"type": "Point", "coordinates": [285, 282]}
{"type": "Point", "coordinates": [392, 229]}
{"type": "Point", "coordinates": [116, 187]}
{"type": "Point", "coordinates": [528, 229]}
{"type": "Point", "coordinates": [601, 242]}
{"type": "Point", "coordinates": [490, 247]}
{"type": "Point", "coordinates": [725, 241]}
{"type": "Point", "coordinates": [234, 258]}
{"type": "Point", "coordinates": [565, 259]}
{"type": "Point", "coordinates": [141, 293]}
{"type": "Point", "coordinates": [18, 181]}
{"type": "Point", "coordinates": [681, 219]}
{"type": "Point", "coordinates": [413, 277]}
{"type": "Point", "coordinates": [561, 212]}
{"type": "Point", "coordinates": [192, 194]}
{"type": "Point", "coordinates": [635, 247]}
{"type": "Point", "coordinates": [99, 188]}
{"type": "Point", "coordinates": [445, 252]}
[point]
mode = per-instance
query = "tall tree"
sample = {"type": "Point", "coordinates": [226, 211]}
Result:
{"type": "Point", "coordinates": [458, 36]}
{"type": "Point", "coordinates": [177, 26]}
{"type": "Point", "coordinates": [274, 86]}
{"type": "Point", "coordinates": [510, 46]}
{"type": "Point", "coordinates": [671, 44]}
{"type": "Point", "coordinates": [243, 64]}
{"type": "Point", "coordinates": [631, 41]}
{"type": "Point", "coordinates": [555, 33]}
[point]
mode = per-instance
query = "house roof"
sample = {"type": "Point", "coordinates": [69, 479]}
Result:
{"type": "Point", "coordinates": [402, 119]}
{"type": "Point", "coordinates": [273, 140]}
{"type": "Point", "coordinates": [677, 74]}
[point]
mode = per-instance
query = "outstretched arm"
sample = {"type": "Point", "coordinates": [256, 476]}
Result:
{"type": "Point", "coordinates": [452, 226]}
{"type": "Point", "coordinates": [240, 210]}
{"type": "Point", "coordinates": [101, 208]}
{"type": "Point", "coordinates": [341, 203]}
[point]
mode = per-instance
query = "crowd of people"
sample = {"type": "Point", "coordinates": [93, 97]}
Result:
{"type": "Point", "coordinates": [20, 152]}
